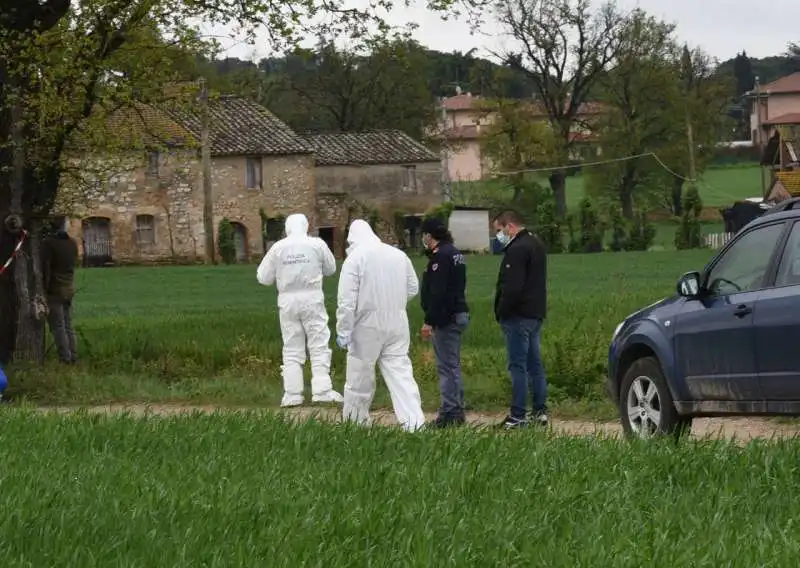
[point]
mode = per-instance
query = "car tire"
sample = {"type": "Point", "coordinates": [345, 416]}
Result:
{"type": "Point", "coordinates": [646, 407]}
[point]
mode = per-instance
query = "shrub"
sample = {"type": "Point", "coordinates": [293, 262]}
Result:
{"type": "Point", "coordinates": [618, 231]}
{"type": "Point", "coordinates": [226, 241]}
{"type": "Point", "coordinates": [442, 212]}
{"type": "Point", "coordinates": [590, 236]}
{"type": "Point", "coordinates": [690, 233]}
{"type": "Point", "coordinates": [399, 227]}
{"type": "Point", "coordinates": [548, 226]}
{"type": "Point", "coordinates": [641, 233]}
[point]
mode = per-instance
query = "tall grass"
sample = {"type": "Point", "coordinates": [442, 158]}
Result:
{"type": "Point", "coordinates": [211, 334]}
{"type": "Point", "coordinates": [240, 490]}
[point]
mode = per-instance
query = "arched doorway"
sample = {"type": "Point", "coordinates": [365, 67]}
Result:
{"type": "Point", "coordinates": [97, 241]}
{"type": "Point", "coordinates": [240, 241]}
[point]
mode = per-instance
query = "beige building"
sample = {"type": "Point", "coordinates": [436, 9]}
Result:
{"type": "Point", "coordinates": [151, 210]}
{"type": "Point", "coordinates": [382, 173]}
{"type": "Point", "coordinates": [466, 118]}
{"type": "Point", "coordinates": [775, 104]}
{"type": "Point", "coordinates": [775, 128]}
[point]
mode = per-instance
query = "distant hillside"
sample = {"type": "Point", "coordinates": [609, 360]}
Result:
{"type": "Point", "coordinates": [767, 69]}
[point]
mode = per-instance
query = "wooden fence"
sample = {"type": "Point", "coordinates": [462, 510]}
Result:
{"type": "Point", "coordinates": [718, 240]}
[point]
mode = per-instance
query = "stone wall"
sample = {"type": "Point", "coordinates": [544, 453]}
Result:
{"type": "Point", "coordinates": [333, 213]}
{"type": "Point", "coordinates": [351, 191]}
{"type": "Point", "coordinates": [288, 187]}
{"type": "Point", "coordinates": [172, 200]}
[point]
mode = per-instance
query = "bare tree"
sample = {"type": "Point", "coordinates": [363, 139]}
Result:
{"type": "Point", "coordinates": [564, 47]}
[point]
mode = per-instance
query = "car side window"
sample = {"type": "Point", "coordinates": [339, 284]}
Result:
{"type": "Point", "coordinates": [743, 266]}
{"type": "Point", "coordinates": [789, 267]}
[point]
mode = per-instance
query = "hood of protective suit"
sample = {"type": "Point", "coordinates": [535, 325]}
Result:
{"type": "Point", "coordinates": [296, 225]}
{"type": "Point", "coordinates": [360, 233]}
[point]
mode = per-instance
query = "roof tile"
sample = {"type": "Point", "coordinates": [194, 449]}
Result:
{"type": "Point", "coordinates": [369, 147]}
{"type": "Point", "coordinates": [788, 84]}
{"type": "Point", "coordinates": [241, 127]}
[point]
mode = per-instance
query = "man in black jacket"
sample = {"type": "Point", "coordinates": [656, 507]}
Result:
{"type": "Point", "coordinates": [59, 256]}
{"type": "Point", "coordinates": [520, 306]}
{"type": "Point", "coordinates": [444, 303]}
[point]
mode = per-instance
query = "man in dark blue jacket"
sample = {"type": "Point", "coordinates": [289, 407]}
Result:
{"type": "Point", "coordinates": [444, 303]}
{"type": "Point", "coordinates": [520, 306]}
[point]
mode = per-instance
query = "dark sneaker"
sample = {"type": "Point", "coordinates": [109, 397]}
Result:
{"type": "Point", "coordinates": [511, 423]}
{"type": "Point", "coordinates": [539, 418]}
{"type": "Point", "coordinates": [446, 422]}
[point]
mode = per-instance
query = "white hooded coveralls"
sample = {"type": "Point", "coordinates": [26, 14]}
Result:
{"type": "Point", "coordinates": [297, 264]}
{"type": "Point", "coordinates": [375, 284]}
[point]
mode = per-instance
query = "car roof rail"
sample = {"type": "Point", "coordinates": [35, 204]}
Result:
{"type": "Point", "coordinates": [785, 205]}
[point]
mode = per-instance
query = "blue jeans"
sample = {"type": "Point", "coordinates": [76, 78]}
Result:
{"type": "Point", "coordinates": [525, 365]}
{"type": "Point", "coordinates": [447, 348]}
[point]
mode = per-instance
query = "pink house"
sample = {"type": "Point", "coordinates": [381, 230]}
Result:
{"type": "Point", "coordinates": [465, 119]}
{"type": "Point", "coordinates": [778, 105]}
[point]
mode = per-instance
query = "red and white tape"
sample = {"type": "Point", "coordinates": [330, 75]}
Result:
{"type": "Point", "coordinates": [15, 253]}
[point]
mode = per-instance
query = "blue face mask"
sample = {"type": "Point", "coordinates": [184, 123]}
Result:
{"type": "Point", "coordinates": [502, 238]}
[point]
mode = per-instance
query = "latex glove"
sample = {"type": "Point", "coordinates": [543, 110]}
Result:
{"type": "Point", "coordinates": [341, 342]}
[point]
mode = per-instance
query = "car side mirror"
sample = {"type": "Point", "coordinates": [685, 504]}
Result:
{"type": "Point", "coordinates": [689, 285]}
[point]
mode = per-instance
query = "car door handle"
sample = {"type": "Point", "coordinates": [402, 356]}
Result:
{"type": "Point", "coordinates": [742, 310]}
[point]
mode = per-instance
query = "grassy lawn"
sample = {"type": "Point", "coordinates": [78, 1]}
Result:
{"type": "Point", "coordinates": [239, 490]}
{"type": "Point", "coordinates": [211, 334]}
{"type": "Point", "coordinates": [719, 187]}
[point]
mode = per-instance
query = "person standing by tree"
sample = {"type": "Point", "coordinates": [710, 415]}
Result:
{"type": "Point", "coordinates": [444, 303]}
{"type": "Point", "coordinates": [520, 306]}
{"type": "Point", "coordinates": [59, 257]}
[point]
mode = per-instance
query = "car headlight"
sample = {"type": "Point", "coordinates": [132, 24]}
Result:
{"type": "Point", "coordinates": [616, 330]}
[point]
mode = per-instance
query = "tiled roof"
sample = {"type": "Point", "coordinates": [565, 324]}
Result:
{"type": "Point", "coordinates": [241, 127]}
{"type": "Point", "coordinates": [784, 85]}
{"type": "Point", "coordinates": [788, 84]}
{"type": "Point", "coordinates": [788, 118]}
{"type": "Point", "coordinates": [475, 102]}
{"type": "Point", "coordinates": [371, 147]}
{"type": "Point", "coordinates": [132, 125]}
{"type": "Point", "coordinates": [461, 102]}
{"type": "Point", "coordinates": [471, 132]}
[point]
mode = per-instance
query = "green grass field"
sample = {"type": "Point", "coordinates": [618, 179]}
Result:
{"type": "Point", "coordinates": [238, 490]}
{"type": "Point", "coordinates": [211, 335]}
{"type": "Point", "coordinates": [719, 187]}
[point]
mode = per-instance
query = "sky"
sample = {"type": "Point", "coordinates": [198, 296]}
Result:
{"type": "Point", "coordinates": [722, 28]}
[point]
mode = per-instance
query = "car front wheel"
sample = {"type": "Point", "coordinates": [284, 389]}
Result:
{"type": "Point", "coordinates": [646, 406]}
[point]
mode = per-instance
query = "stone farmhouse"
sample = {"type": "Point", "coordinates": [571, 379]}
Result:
{"type": "Point", "coordinates": [262, 171]}
{"type": "Point", "coordinates": [387, 173]}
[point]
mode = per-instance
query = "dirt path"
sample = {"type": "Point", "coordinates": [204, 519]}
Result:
{"type": "Point", "coordinates": [742, 429]}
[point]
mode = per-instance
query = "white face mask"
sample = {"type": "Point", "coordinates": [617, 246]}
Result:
{"type": "Point", "coordinates": [502, 238]}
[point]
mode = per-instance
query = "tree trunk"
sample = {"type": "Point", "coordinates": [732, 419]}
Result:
{"type": "Point", "coordinates": [517, 180]}
{"type": "Point", "coordinates": [8, 299]}
{"type": "Point", "coordinates": [558, 184]}
{"type": "Point", "coordinates": [31, 306]}
{"type": "Point", "coordinates": [677, 194]}
{"type": "Point", "coordinates": [626, 193]}
{"type": "Point", "coordinates": [626, 201]}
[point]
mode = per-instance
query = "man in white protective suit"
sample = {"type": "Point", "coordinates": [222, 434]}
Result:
{"type": "Point", "coordinates": [297, 264]}
{"type": "Point", "coordinates": [375, 284]}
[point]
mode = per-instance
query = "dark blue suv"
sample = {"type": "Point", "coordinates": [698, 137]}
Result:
{"type": "Point", "coordinates": [727, 344]}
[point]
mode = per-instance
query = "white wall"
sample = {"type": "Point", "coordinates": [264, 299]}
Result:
{"type": "Point", "coordinates": [470, 230]}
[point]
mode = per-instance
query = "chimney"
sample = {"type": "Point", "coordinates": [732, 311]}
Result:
{"type": "Point", "coordinates": [458, 89]}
